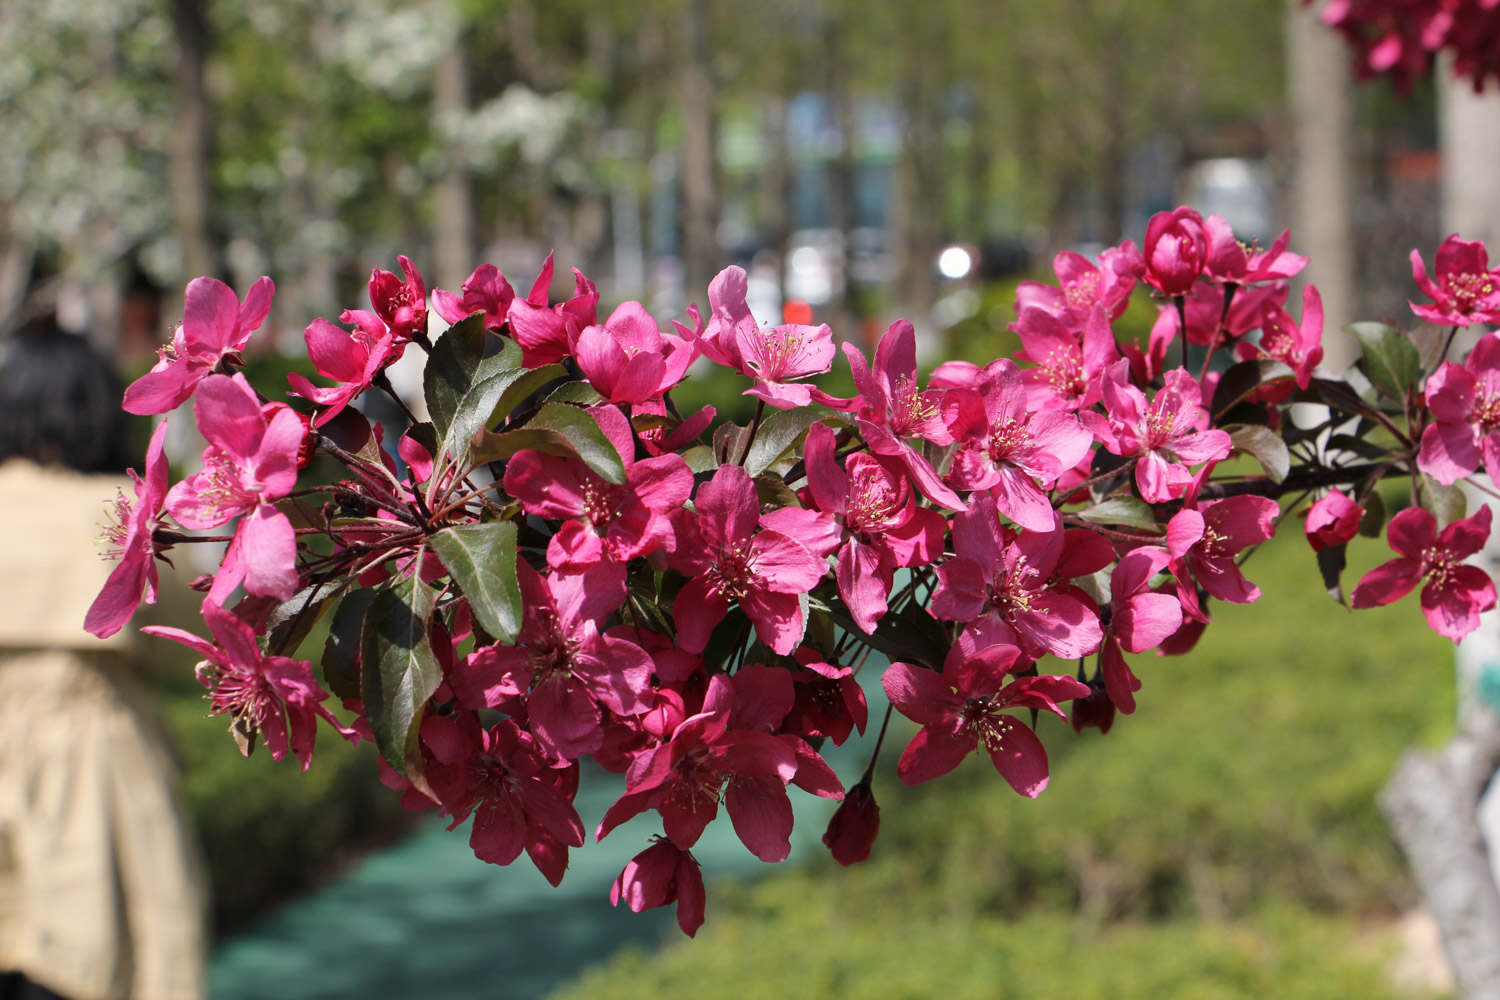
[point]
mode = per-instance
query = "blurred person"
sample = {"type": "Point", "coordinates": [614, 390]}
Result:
{"type": "Point", "coordinates": [101, 886]}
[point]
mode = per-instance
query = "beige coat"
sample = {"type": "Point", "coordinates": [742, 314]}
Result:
{"type": "Point", "coordinates": [101, 889]}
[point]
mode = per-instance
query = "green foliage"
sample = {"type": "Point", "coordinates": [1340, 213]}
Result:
{"type": "Point", "coordinates": [399, 668]}
{"type": "Point", "coordinates": [482, 559]}
{"type": "Point", "coordinates": [557, 429]}
{"type": "Point", "coordinates": [1390, 359]}
{"type": "Point", "coordinates": [1242, 791]}
{"type": "Point", "coordinates": [792, 938]}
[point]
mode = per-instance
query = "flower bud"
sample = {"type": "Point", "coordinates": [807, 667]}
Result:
{"type": "Point", "coordinates": [852, 830]}
{"type": "Point", "coordinates": [1176, 250]}
{"type": "Point", "coordinates": [1096, 710]}
{"type": "Point", "coordinates": [1332, 521]}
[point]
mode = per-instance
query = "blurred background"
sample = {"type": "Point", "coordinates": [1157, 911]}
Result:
{"type": "Point", "coordinates": [864, 161]}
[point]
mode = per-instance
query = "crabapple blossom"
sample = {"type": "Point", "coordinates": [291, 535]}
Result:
{"type": "Point", "coordinates": [1454, 594]}
{"type": "Point", "coordinates": [215, 327]}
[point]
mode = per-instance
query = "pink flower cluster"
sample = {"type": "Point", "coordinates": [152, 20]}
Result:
{"type": "Point", "coordinates": [563, 566]}
{"type": "Point", "coordinates": [1399, 38]}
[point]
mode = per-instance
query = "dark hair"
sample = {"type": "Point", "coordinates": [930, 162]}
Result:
{"type": "Point", "coordinates": [60, 401]}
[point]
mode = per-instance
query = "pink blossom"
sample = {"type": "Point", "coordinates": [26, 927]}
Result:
{"type": "Point", "coordinates": [628, 359]}
{"type": "Point", "coordinates": [1176, 250]}
{"type": "Point", "coordinates": [131, 535]}
{"type": "Point", "coordinates": [731, 556]}
{"type": "Point", "coordinates": [602, 520]}
{"type": "Point", "coordinates": [1167, 434]}
{"type": "Point", "coordinates": [966, 706]}
{"type": "Point", "coordinates": [883, 526]}
{"type": "Point", "coordinates": [1230, 261]}
{"type": "Point", "coordinates": [1012, 444]}
{"type": "Point", "coordinates": [682, 779]}
{"type": "Point", "coordinates": [274, 697]}
{"type": "Point", "coordinates": [828, 701]}
{"type": "Point", "coordinates": [544, 332]}
{"type": "Point", "coordinates": [1466, 291]}
{"type": "Point", "coordinates": [1332, 521]}
{"type": "Point", "coordinates": [250, 462]}
{"type": "Point", "coordinates": [215, 328]}
{"type": "Point", "coordinates": [663, 873]}
{"type": "Point", "coordinates": [501, 777]}
{"type": "Point", "coordinates": [352, 359]}
{"type": "Point", "coordinates": [1298, 345]}
{"type": "Point", "coordinates": [1455, 594]}
{"type": "Point", "coordinates": [893, 409]}
{"type": "Point", "coordinates": [1207, 538]}
{"type": "Point", "coordinates": [400, 302]}
{"type": "Point", "coordinates": [1008, 580]}
{"type": "Point", "coordinates": [1085, 286]}
{"type": "Point", "coordinates": [1064, 364]}
{"type": "Point", "coordinates": [1465, 405]}
{"type": "Point", "coordinates": [1140, 619]}
{"type": "Point", "coordinates": [565, 669]}
{"type": "Point", "coordinates": [775, 357]}
{"type": "Point", "coordinates": [486, 291]}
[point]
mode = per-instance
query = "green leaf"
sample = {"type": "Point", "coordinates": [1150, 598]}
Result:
{"type": "Point", "coordinates": [473, 412]}
{"type": "Point", "coordinates": [1446, 503]}
{"type": "Point", "coordinates": [1129, 511]}
{"type": "Point", "coordinates": [399, 669]}
{"type": "Point", "coordinates": [777, 433]}
{"type": "Point", "coordinates": [459, 361]}
{"type": "Point", "coordinates": [1267, 447]}
{"type": "Point", "coordinates": [580, 393]}
{"type": "Point", "coordinates": [1331, 564]}
{"type": "Point", "coordinates": [729, 443]}
{"type": "Point", "coordinates": [700, 458]}
{"type": "Point", "coordinates": [557, 429]}
{"type": "Point", "coordinates": [773, 491]}
{"type": "Point", "coordinates": [1240, 380]}
{"type": "Point", "coordinates": [911, 635]}
{"type": "Point", "coordinates": [530, 382]}
{"type": "Point", "coordinates": [350, 431]}
{"type": "Point", "coordinates": [482, 560]}
{"type": "Point", "coordinates": [341, 649]}
{"type": "Point", "coordinates": [290, 622]}
{"type": "Point", "coordinates": [1390, 358]}
{"type": "Point", "coordinates": [1372, 521]}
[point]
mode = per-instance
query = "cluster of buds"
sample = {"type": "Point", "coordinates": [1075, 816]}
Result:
{"type": "Point", "coordinates": [556, 563]}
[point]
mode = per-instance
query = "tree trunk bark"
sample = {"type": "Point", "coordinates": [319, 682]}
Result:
{"type": "Point", "coordinates": [453, 241]}
{"type": "Point", "coordinates": [189, 147]}
{"type": "Point", "coordinates": [1431, 802]}
{"type": "Point", "coordinates": [1318, 85]}
{"type": "Point", "coordinates": [699, 173]}
{"type": "Point", "coordinates": [841, 176]}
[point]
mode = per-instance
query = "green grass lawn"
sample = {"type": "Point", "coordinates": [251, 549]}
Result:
{"type": "Point", "coordinates": [1221, 842]}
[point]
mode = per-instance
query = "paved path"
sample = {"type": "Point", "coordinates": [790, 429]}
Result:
{"type": "Point", "coordinates": [426, 919]}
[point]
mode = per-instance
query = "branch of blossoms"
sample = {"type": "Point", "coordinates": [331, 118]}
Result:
{"type": "Point", "coordinates": [560, 565]}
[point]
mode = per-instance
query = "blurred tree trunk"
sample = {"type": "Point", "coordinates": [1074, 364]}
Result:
{"type": "Point", "coordinates": [190, 139]}
{"type": "Point", "coordinates": [841, 176]}
{"type": "Point", "coordinates": [699, 165]}
{"type": "Point", "coordinates": [453, 241]}
{"type": "Point", "coordinates": [921, 191]}
{"type": "Point", "coordinates": [1318, 87]}
{"type": "Point", "coordinates": [1114, 168]}
{"type": "Point", "coordinates": [778, 181]}
{"type": "Point", "coordinates": [16, 256]}
{"type": "Point", "coordinates": [1431, 803]}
